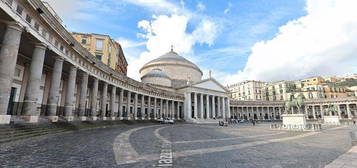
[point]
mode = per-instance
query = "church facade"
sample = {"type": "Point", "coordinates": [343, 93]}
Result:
{"type": "Point", "coordinates": [204, 99]}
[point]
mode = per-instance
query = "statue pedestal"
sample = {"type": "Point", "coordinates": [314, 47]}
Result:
{"type": "Point", "coordinates": [332, 120]}
{"type": "Point", "coordinates": [294, 119]}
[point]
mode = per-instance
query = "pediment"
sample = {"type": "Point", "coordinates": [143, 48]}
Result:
{"type": "Point", "coordinates": [210, 84]}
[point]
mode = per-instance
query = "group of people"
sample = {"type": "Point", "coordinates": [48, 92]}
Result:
{"type": "Point", "coordinates": [236, 121]}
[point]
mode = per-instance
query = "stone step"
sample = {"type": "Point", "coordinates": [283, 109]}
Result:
{"type": "Point", "coordinates": [14, 131]}
{"type": "Point", "coordinates": [25, 132]}
{"type": "Point", "coordinates": [16, 138]}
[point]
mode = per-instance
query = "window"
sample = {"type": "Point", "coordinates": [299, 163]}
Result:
{"type": "Point", "coordinates": [10, 2]}
{"type": "Point", "coordinates": [37, 26]}
{"type": "Point", "coordinates": [56, 43]}
{"type": "Point", "coordinates": [98, 56]}
{"type": "Point", "coordinates": [99, 44]}
{"type": "Point", "coordinates": [19, 9]}
{"type": "Point", "coordinates": [84, 41]}
{"type": "Point", "coordinates": [18, 74]}
{"type": "Point", "coordinates": [28, 18]}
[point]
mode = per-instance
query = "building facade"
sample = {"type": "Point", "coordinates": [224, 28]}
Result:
{"type": "Point", "coordinates": [105, 49]}
{"type": "Point", "coordinates": [247, 90]}
{"type": "Point", "coordinates": [317, 80]}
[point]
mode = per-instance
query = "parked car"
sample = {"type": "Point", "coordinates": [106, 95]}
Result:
{"type": "Point", "coordinates": [160, 120]}
{"type": "Point", "coordinates": [166, 121]}
{"type": "Point", "coordinates": [170, 121]}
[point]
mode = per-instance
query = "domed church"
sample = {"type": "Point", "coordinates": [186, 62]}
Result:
{"type": "Point", "coordinates": [205, 99]}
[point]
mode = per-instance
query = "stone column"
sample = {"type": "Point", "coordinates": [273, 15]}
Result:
{"type": "Point", "coordinates": [128, 114]}
{"type": "Point", "coordinates": [135, 106]}
{"type": "Point", "coordinates": [31, 108]}
{"type": "Point", "coordinates": [167, 108]}
{"type": "Point", "coordinates": [83, 96]}
{"type": "Point", "coordinates": [188, 106]}
{"type": "Point", "coordinates": [305, 112]}
{"type": "Point", "coordinates": [274, 111]}
{"type": "Point", "coordinates": [94, 99]}
{"type": "Point", "coordinates": [339, 111]}
{"type": "Point", "coordinates": [280, 113]}
{"type": "Point", "coordinates": [149, 108]}
{"type": "Point", "coordinates": [71, 85]}
{"type": "Point", "coordinates": [269, 116]}
{"type": "Point", "coordinates": [8, 57]}
{"type": "Point", "coordinates": [162, 108]}
{"type": "Point", "coordinates": [322, 111]}
{"type": "Point", "coordinates": [142, 107]}
{"type": "Point", "coordinates": [201, 106]}
{"type": "Point", "coordinates": [104, 101]}
{"type": "Point", "coordinates": [155, 108]}
{"type": "Point", "coordinates": [54, 94]}
{"type": "Point", "coordinates": [178, 110]}
{"type": "Point", "coordinates": [213, 106]}
{"type": "Point", "coordinates": [172, 109]}
{"type": "Point", "coordinates": [120, 110]}
{"type": "Point", "coordinates": [348, 111]}
{"type": "Point", "coordinates": [223, 108]}
{"type": "Point", "coordinates": [195, 105]}
{"type": "Point", "coordinates": [219, 99]}
{"type": "Point", "coordinates": [208, 108]}
{"type": "Point", "coordinates": [228, 108]}
{"type": "Point", "coordinates": [313, 111]}
{"type": "Point", "coordinates": [113, 109]}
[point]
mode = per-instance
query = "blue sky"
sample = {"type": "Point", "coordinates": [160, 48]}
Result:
{"type": "Point", "coordinates": [227, 36]}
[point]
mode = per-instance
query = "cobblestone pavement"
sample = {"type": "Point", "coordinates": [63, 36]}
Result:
{"type": "Point", "coordinates": [181, 145]}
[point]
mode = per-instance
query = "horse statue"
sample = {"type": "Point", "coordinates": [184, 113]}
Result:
{"type": "Point", "coordinates": [331, 109]}
{"type": "Point", "coordinates": [295, 102]}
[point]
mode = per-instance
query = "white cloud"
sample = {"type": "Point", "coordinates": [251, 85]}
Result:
{"type": "Point", "coordinates": [157, 5]}
{"type": "Point", "coordinates": [74, 9]}
{"type": "Point", "coordinates": [200, 7]}
{"type": "Point", "coordinates": [228, 9]}
{"type": "Point", "coordinates": [164, 31]}
{"type": "Point", "coordinates": [321, 43]}
{"type": "Point", "coordinates": [127, 43]}
{"type": "Point", "coordinates": [206, 32]}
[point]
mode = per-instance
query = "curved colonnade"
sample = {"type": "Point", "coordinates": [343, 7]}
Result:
{"type": "Point", "coordinates": [314, 109]}
{"type": "Point", "coordinates": [46, 72]}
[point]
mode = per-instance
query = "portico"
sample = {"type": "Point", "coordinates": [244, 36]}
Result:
{"type": "Point", "coordinates": [205, 100]}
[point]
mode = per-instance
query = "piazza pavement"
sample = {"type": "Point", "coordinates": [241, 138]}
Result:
{"type": "Point", "coordinates": [185, 145]}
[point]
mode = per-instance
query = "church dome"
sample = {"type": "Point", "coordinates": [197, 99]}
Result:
{"type": "Point", "coordinates": [156, 77]}
{"type": "Point", "coordinates": [156, 73]}
{"type": "Point", "coordinates": [176, 67]}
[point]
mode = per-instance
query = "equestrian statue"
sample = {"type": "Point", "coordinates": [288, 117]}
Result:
{"type": "Point", "coordinates": [295, 102]}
